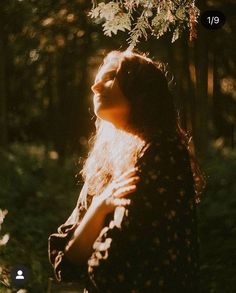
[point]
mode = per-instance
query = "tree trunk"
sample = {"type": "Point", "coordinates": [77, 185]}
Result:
{"type": "Point", "coordinates": [3, 98]}
{"type": "Point", "coordinates": [201, 105]}
{"type": "Point", "coordinates": [188, 85]}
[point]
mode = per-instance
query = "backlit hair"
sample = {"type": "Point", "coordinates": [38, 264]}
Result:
{"type": "Point", "coordinates": [114, 151]}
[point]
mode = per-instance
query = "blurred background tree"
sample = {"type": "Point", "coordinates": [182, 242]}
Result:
{"type": "Point", "coordinates": [49, 54]}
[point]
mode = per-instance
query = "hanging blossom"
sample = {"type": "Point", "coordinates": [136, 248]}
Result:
{"type": "Point", "coordinates": [143, 18]}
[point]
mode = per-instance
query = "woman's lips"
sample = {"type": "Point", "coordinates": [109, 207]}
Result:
{"type": "Point", "coordinates": [101, 98]}
{"type": "Point", "coordinates": [97, 98]}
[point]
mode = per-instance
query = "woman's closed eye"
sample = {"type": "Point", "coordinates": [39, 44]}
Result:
{"type": "Point", "coordinates": [104, 82]}
{"type": "Point", "coordinates": [108, 77]}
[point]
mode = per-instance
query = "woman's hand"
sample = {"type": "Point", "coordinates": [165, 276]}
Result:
{"type": "Point", "coordinates": [114, 194]}
{"type": "Point", "coordinates": [93, 221]}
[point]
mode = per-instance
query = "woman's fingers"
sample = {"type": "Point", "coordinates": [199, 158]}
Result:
{"type": "Point", "coordinates": [118, 201]}
{"type": "Point", "coordinates": [124, 191]}
{"type": "Point", "coordinates": [126, 175]}
{"type": "Point", "coordinates": [121, 201]}
{"type": "Point", "coordinates": [126, 183]}
{"type": "Point", "coordinates": [113, 195]}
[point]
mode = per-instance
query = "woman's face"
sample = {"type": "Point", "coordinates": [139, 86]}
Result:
{"type": "Point", "coordinates": [109, 102]}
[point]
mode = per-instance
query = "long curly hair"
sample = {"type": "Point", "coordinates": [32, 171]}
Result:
{"type": "Point", "coordinates": [113, 151]}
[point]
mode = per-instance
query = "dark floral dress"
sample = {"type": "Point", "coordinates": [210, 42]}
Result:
{"type": "Point", "coordinates": [155, 247]}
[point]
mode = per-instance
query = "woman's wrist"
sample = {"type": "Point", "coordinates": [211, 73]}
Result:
{"type": "Point", "coordinates": [79, 247]}
{"type": "Point", "coordinates": [98, 207]}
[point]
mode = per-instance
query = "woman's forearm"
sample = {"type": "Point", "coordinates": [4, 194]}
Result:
{"type": "Point", "coordinates": [80, 246]}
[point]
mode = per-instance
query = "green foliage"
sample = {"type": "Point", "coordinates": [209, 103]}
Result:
{"type": "Point", "coordinates": [39, 195]}
{"type": "Point", "coordinates": [115, 19]}
{"type": "Point", "coordinates": [3, 241]}
{"type": "Point", "coordinates": [140, 18]}
{"type": "Point", "coordinates": [217, 222]}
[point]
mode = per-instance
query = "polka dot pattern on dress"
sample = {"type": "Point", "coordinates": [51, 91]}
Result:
{"type": "Point", "coordinates": [156, 248]}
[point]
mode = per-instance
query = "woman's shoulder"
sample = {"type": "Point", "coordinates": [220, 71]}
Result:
{"type": "Point", "coordinates": [162, 144]}
{"type": "Point", "coordinates": [165, 168]}
{"type": "Point", "coordinates": [165, 154]}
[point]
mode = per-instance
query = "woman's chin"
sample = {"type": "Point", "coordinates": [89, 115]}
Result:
{"type": "Point", "coordinates": [99, 111]}
{"type": "Point", "coordinates": [103, 114]}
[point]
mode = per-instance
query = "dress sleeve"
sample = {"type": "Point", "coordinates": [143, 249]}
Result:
{"type": "Point", "coordinates": [63, 269]}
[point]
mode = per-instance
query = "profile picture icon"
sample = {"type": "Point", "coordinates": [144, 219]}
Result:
{"type": "Point", "coordinates": [19, 275]}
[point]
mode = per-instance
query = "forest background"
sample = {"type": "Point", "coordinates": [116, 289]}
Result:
{"type": "Point", "coordinates": [49, 54]}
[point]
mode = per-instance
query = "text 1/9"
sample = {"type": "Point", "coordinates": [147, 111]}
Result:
{"type": "Point", "coordinates": [213, 20]}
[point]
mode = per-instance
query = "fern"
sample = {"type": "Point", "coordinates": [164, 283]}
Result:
{"type": "Point", "coordinates": [139, 31]}
{"type": "Point", "coordinates": [120, 22]}
{"type": "Point", "coordinates": [143, 18]}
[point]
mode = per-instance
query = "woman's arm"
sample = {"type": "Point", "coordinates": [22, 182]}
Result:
{"type": "Point", "coordinates": [80, 247]}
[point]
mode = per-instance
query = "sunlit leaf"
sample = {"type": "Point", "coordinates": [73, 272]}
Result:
{"type": "Point", "coordinates": [48, 21]}
{"type": "Point", "coordinates": [146, 18]}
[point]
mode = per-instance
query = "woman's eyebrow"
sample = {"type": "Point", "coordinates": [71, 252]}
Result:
{"type": "Point", "coordinates": [110, 72]}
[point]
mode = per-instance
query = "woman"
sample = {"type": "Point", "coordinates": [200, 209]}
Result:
{"type": "Point", "coordinates": [134, 227]}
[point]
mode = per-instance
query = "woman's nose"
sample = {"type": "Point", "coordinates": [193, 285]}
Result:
{"type": "Point", "coordinates": [96, 87]}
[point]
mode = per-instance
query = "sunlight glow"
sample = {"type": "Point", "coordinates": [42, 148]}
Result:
{"type": "Point", "coordinates": [53, 155]}
{"type": "Point", "coordinates": [228, 86]}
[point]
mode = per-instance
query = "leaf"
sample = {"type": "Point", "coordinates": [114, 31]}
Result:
{"type": "Point", "coordinates": [139, 31]}
{"type": "Point", "coordinates": [181, 13]}
{"type": "Point", "coordinates": [170, 14]}
{"type": "Point", "coordinates": [175, 35]}
{"type": "Point", "coordinates": [120, 22]}
{"type": "Point", "coordinates": [3, 213]}
{"type": "Point", "coordinates": [110, 10]}
{"type": "Point", "coordinates": [95, 12]}
{"type": "Point", "coordinates": [4, 239]}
